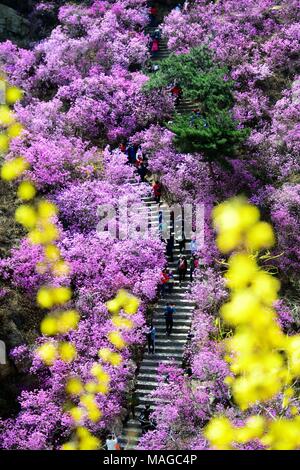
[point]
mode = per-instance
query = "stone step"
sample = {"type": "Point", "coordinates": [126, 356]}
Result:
{"type": "Point", "coordinates": [176, 335]}
{"type": "Point", "coordinates": [133, 424]}
{"type": "Point", "coordinates": [161, 341]}
{"type": "Point", "coordinates": [177, 298]}
{"type": "Point", "coordinates": [179, 325]}
{"type": "Point", "coordinates": [180, 307]}
{"type": "Point", "coordinates": [161, 336]}
{"type": "Point", "coordinates": [147, 387]}
{"type": "Point", "coordinates": [148, 374]}
{"type": "Point", "coordinates": [145, 398]}
{"type": "Point", "coordinates": [176, 331]}
{"type": "Point", "coordinates": [168, 348]}
{"type": "Point", "coordinates": [164, 356]}
{"type": "Point", "coordinates": [154, 362]}
{"type": "Point", "coordinates": [177, 317]}
{"type": "Point", "coordinates": [147, 370]}
{"type": "Point", "coordinates": [177, 301]}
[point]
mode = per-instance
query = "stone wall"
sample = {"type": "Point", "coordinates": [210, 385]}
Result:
{"type": "Point", "coordinates": [12, 25]}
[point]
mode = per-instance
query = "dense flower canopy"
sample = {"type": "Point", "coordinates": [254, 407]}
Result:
{"type": "Point", "coordinates": [85, 93]}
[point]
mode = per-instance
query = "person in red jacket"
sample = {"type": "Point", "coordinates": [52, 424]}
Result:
{"type": "Point", "coordinates": [153, 12]}
{"type": "Point", "coordinates": [194, 264]}
{"type": "Point", "coordinates": [176, 92]}
{"type": "Point", "coordinates": [156, 188]}
{"type": "Point", "coordinates": [182, 268]}
{"type": "Point", "coordinates": [155, 47]}
{"type": "Point", "coordinates": [164, 279]}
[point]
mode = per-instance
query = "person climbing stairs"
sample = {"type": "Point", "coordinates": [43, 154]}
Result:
{"type": "Point", "coordinates": [166, 348]}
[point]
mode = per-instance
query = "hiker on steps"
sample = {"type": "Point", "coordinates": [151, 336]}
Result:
{"type": "Point", "coordinates": [164, 279]}
{"type": "Point", "coordinates": [194, 245]}
{"type": "Point", "coordinates": [153, 12]}
{"type": "Point", "coordinates": [169, 317]}
{"type": "Point", "coordinates": [170, 247]}
{"type": "Point", "coordinates": [155, 47]}
{"type": "Point", "coordinates": [146, 423]}
{"type": "Point", "coordinates": [182, 269]}
{"type": "Point", "coordinates": [176, 92]}
{"type": "Point", "coordinates": [194, 264]}
{"type": "Point", "coordinates": [151, 337]}
{"type": "Point", "coordinates": [156, 188]}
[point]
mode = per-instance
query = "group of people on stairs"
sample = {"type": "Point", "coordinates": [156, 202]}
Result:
{"type": "Point", "coordinates": [139, 160]}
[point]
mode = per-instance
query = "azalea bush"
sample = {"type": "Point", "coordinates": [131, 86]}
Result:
{"type": "Point", "coordinates": [85, 92]}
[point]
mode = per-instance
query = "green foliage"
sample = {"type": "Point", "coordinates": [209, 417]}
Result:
{"type": "Point", "coordinates": [211, 131]}
{"type": "Point", "coordinates": [181, 68]}
{"type": "Point", "coordinates": [198, 76]}
{"type": "Point", "coordinates": [216, 135]}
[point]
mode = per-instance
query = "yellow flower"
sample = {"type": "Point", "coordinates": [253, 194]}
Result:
{"type": "Point", "coordinates": [242, 270]}
{"type": "Point", "coordinates": [248, 216]}
{"type": "Point", "coordinates": [113, 306]}
{"type": "Point", "coordinates": [48, 297]}
{"type": "Point", "coordinates": [60, 268]}
{"type": "Point", "coordinates": [293, 352]}
{"type": "Point", "coordinates": [13, 94]}
{"type": "Point", "coordinates": [102, 388]}
{"type": "Point", "coordinates": [90, 443]}
{"type": "Point", "coordinates": [4, 144]}
{"type": "Point", "coordinates": [86, 440]}
{"type": "Point", "coordinates": [242, 307]}
{"type": "Point", "coordinates": [220, 433]}
{"type": "Point", "coordinates": [6, 116]}
{"type": "Point", "coordinates": [88, 401]}
{"type": "Point", "coordinates": [228, 240]}
{"type": "Point", "coordinates": [260, 236]}
{"type": "Point", "coordinates": [266, 287]}
{"type": "Point", "coordinates": [68, 321]}
{"type": "Point", "coordinates": [26, 216]}
{"type": "Point", "coordinates": [48, 233]}
{"type": "Point", "coordinates": [46, 210]}
{"type": "Point", "coordinates": [12, 169]}
{"type": "Point", "coordinates": [82, 433]}
{"type": "Point", "coordinates": [229, 380]}
{"type": "Point", "coordinates": [253, 429]}
{"type": "Point", "coordinates": [131, 307]}
{"type": "Point", "coordinates": [48, 353]}
{"type": "Point", "coordinates": [26, 191]}
{"type": "Point", "coordinates": [123, 323]}
{"type": "Point", "coordinates": [226, 217]}
{"type": "Point", "coordinates": [105, 354]}
{"type": "Point", "coordinates": [69, 446]}
{"type": "Point", "coordinates": [77, 414]}
{"type": "Point", "coordinates": [49, 326]}
{"type": "Point", "coordinates": [91, 387]}
{"type": "Point", "coordinates": [74, 386]}
{"type": "Point", "coordinates": [45, 298]}
{"type": "Point", "coordinates": [115, 359]}
{"type": "Point", "coordinates": [97, 370]}
{"type": "Point", "coordinates": [67, 352]}
{"type": "Point", "coordinates": [116, 339]}
{"type": "Point", "coordinates": [94, 415]}
{"type": "Point", "coordinates": [52, 253]}
{"type": "Point", "coordinates": [15, 130]}
{"type": "Point", "coordinates": [61, 295]}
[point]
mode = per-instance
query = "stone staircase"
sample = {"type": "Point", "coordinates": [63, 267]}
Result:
{"type": "Point", "coordinates": [167, 348]}
{"type": "Point", "coordinates": [185, 106]}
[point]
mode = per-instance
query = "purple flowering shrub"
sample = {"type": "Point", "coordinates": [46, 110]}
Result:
{"type": "Point", "coordinates": [83, 96]}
